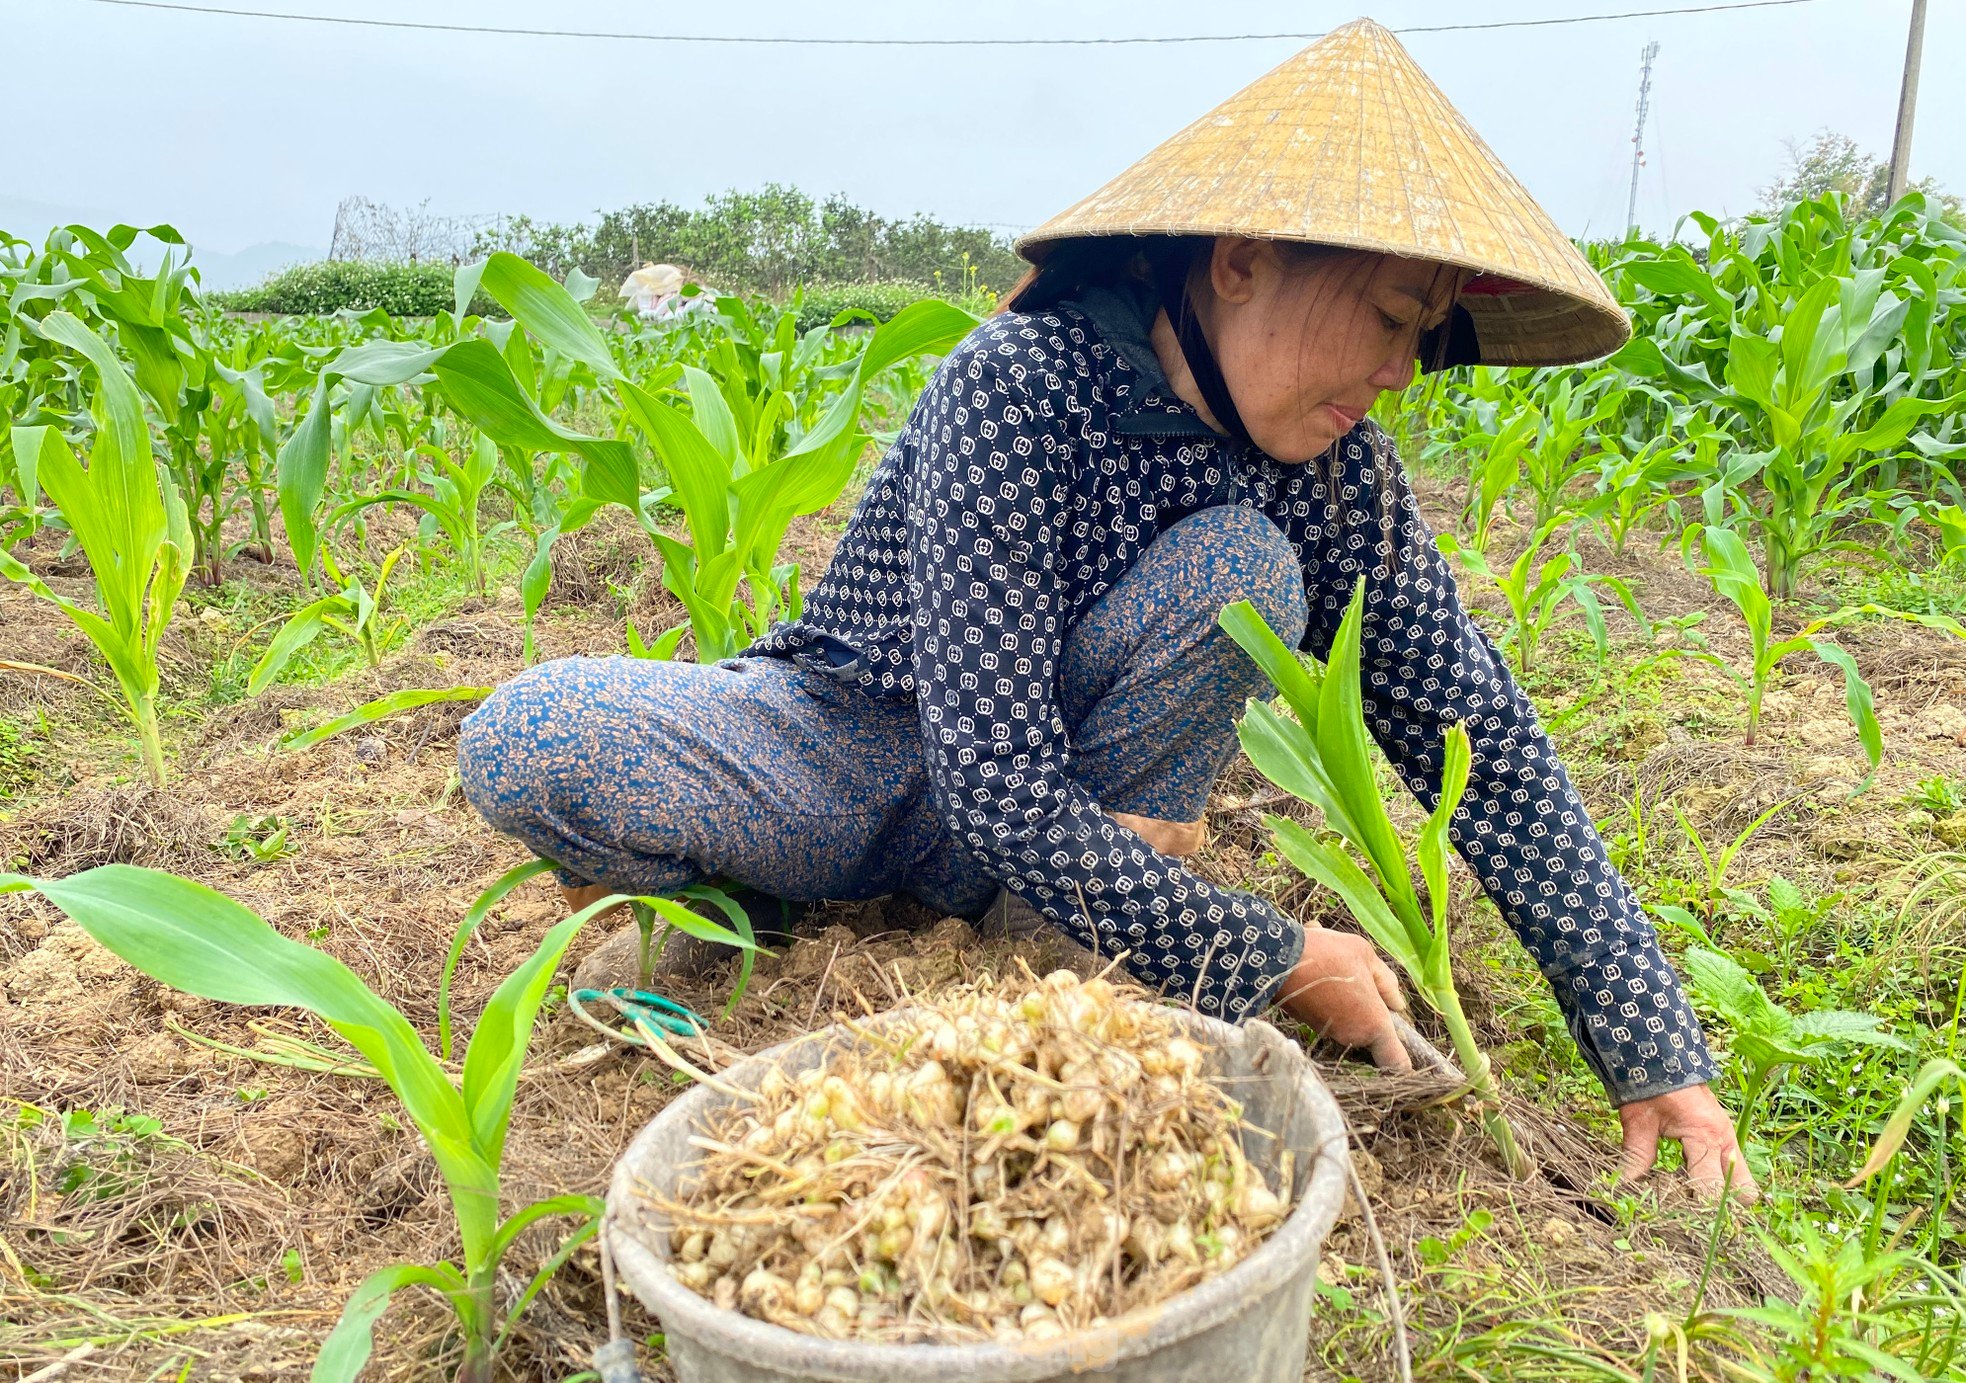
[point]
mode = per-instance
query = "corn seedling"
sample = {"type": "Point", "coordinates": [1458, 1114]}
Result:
{"type": "Point", "coordinates": [1633, 482]}
{"type": "Point", "coordinates": [1766, 1038]}
{"type": "Point", "coordinates": [1322, 758]}
{"type": "Point", "coordinates": [1733, 574]}
{"type": "Point", "coordinates": [738, 495]}
{"type": "Point", "coordinates": [126, 513]}
{"type": "Point", "coordinates": [1496, 472]}
{"type": "Point", "coordinates": [193, 939]}
{"type": "Point", "coordinates": [1715, 863]}
{"type": "Point", "coordinates": [1564, 409]}
{"type": "Point", "coordinates": [451, 503]}
{"type": "Point", "coordinates": [1537, 589]}
{"type": "Point", "coordinates": [1837, 327]}
{"type": "Point", "coordinates": [353, 611]}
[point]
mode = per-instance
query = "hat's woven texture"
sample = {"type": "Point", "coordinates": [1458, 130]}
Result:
{"type": "Point", "coordinates": [1349, 143]}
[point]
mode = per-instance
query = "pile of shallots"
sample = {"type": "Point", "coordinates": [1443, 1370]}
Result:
{"type": "Point", "coordinates": [1007, 1162]}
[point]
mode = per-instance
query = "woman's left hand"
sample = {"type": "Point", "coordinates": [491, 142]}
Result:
{"type": "Point", "coordinates": [1705, 1133]}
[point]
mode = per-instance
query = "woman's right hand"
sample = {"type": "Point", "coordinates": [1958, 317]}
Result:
{"type": "Point", "coordinates": [1343, 988]}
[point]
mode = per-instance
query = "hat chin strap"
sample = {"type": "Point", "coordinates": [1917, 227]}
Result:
{"type": "Point", "coordinates": [1171, 268]}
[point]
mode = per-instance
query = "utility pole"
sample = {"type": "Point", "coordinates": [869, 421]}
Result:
{"type": "Point", "coordinates": [1638, 133]}
{"type": "Point", "coordinates": [1907, 102]}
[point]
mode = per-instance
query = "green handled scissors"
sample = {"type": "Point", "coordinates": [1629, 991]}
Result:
{"type": "Point", "coordinates": [642, 1006]}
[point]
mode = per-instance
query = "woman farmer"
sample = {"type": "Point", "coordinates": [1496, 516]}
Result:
{"type": "Point", "coordinates": [1011, 676]}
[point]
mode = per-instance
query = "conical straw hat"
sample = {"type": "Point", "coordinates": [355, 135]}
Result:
{"type": "Point", "coordinates": [1349, 143]}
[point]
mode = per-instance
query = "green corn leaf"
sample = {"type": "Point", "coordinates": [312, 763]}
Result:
{"type": "Point", "coordinates": [382, 364]}
{"type": "Point", "coordinates": [713, 417]}
{"type": "Point", "coordinates": [1331, 866]}
{"type": "Point", "coordinates": [1858, 700]}
{"type": "Point", "coordinates": [119, 531]}
{"type": "Point", "coordinates": [294, 635]}
{"type": "Point", "coordinates": [802, 482]}
{"type": "Point", "coordinates": [119, 404]}
{"type": "Point", "coordinates": [350, 1343]}
{"type": "Point", "coordinates": [1286, 671]}
{"type": "Point", "coordinates": [925, 327]}
{"type": "Point", "coordinates": [695, 924]}
{"type": "Point", "coordinates": [301, 477]}
{"type": "Point", "coordinates": [110, 641]}
{"type": "Point", "coordinates": [697, 471]}
{"type": "Point", "coordinates": [547, 311]}
{"type": "Point", "coordinates": [1342, 747]}
{"type": "Point", "coordinates": [1892, 427]}
{"type": "Point", "coordinates": [197, 940]}
{"type": "Point", "coordinates": [504, 1030]}
{"type": "Point", "coordinates": [590, 1207]}
{"type": "Point", "coordinates": [473, 919]}
{"type": "Point", "coordinates": [1284, 752]}
{"type": "Point", "coordinates": [382, 707]}
{"type": "Point", "coordinates": [1434, 841]}
{"type": "Point", "coordinates": [536, 580]}
{"type": "Point", "coordinates": [1734, 575]}
{"type": "Point", "coordinates": [464, 285]}
{"type": "Point", "coordinates": [740, 923]}
{"type": "Point", "coordinates": [928, 326]}
{"type": "Point", "coordinates": [1751, 365]}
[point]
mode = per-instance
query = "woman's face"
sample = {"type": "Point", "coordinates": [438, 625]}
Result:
{"type": "Point", "coordinates": [1305, 348]}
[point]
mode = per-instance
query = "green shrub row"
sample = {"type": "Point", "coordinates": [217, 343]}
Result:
{"type": "Point", "coordinates": [824, 301]}
{"type": "Point", "coordinates": [401, 290]}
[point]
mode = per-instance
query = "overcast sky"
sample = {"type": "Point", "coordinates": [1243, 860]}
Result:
{"type": "Point", "coordinates": [243, 130]}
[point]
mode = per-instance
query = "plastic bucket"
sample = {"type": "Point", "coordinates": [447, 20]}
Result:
{"type": "Point", "coordinates": [1249, 1324]}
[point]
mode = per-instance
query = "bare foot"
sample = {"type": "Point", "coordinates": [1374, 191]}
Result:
{"type": "Point", "coordinates": [1177, 838]}
{"type": "Point", "coordinates": [579, 896]}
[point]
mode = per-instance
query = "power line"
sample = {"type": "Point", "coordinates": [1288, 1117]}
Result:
{"type": "Point", "coordinates": [838, 42]}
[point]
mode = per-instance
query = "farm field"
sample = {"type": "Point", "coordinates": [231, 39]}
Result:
{"type": "Point", "coordinates": [1727, 565]}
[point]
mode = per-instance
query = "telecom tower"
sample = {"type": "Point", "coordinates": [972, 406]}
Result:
{"type": "Point", "coordinates": [1638, 134]}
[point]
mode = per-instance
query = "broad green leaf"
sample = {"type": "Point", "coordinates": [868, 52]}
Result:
{"type": "Point", "coordinates": [1846, 1025]}
{"type": "Point", "coordinates": [382, 707]}
{"type": "Point", "coordinates": [547, 311]}
{"type": "Point", "coordinates": [1336, 870]}
{"type": "Point", "coordinates": [1732, 992]}
{"type": "Point", "coordinates": [194, 939]}
{"type": "Point", "coordinates": [294, 635]}
{"type": "Point", "coordinates": [350, 1343]}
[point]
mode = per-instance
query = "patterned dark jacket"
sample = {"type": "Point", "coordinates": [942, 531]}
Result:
{"type": "Point", "coordinates": [1036, 467]}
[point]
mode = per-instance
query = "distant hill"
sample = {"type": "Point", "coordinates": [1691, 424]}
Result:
{"type": "Point", "coordinates": [244, 268]}
{"type": "Point", "coordinates": [32, 220]}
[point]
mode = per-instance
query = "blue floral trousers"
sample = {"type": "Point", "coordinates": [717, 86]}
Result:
{"type": "Point", "coordinates": [773, 772]}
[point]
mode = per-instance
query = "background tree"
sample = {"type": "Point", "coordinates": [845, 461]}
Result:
{"type": "Point", "coordinates": [1833, 162]}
